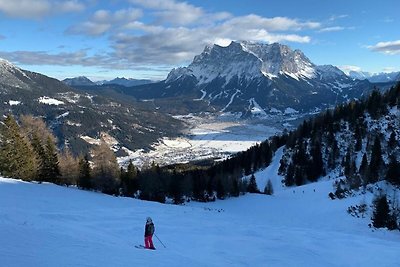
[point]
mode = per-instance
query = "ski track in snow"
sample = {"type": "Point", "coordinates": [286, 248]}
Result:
{"type": "Point", "coordinates": [49, 225]}
{"type": "Point", "coordinates": [230, 101]}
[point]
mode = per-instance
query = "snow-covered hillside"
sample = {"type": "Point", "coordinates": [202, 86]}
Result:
{"type": "Point", "coordinates": [49, 225]}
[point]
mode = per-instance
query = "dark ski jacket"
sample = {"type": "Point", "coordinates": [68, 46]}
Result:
{"type": "Point", "coordinates": [149, 229]}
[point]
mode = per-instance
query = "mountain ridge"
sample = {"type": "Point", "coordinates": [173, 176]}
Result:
{"type": "Point", "coordinates": [77, 116]}
{"type": "Point", "coordinates": [245, 75]}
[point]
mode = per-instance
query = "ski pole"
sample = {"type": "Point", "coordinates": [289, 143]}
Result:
{"type": "Point", "coordinates": [160, 241]}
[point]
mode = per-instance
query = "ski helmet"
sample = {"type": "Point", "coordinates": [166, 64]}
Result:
{"type": "Point", "coordinates": [148, 219]}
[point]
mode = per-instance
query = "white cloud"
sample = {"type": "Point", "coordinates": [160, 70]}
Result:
{"type": "Point", "coordinates": [178, 31]}
{"type": "Point", "coordinates": [332, 29]}
{"type": "Point", "coordinates": [103, 21]}
{"type": "Point", "coordinates": [170, 11]}
{"type": "Point", "coordinates": [39, 8]}
{"type": "Point", "coordinates": [172, 33]}
{"type": "Point", "coordinates": [70, 6]}
{"type": "Point", "coordinates": [390, 48]}
{"type": "Point", "coordinates": [347, 68]}
{"type": "Point", "coordinates": [25, 8]}
{"type": "Point", "coordinates": [336, 17]}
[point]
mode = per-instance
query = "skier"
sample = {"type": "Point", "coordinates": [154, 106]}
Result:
{"type": "Point", "coordinates": [148, 234]}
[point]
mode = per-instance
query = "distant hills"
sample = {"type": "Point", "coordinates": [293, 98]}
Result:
{"type": "Point", "coordinates": [376, 77]}
{"type": "Point", "coordinates": [79, 118]}
{"type": "Point", "coordinates": [84, 81]}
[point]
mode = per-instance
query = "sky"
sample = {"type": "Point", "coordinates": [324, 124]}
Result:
{"type": "Point", "coordinates": [147, 38]}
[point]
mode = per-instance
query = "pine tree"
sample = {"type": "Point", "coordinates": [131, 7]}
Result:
{"type": "Point", "coordinates": [17, 158]}
{"type": "Point", "coordinates": [393, 171]}
{"type": "Point", "coordinates": [220, 189]}
{"type": "Point", "coordinates": [376, 163]}
{"type": "Point", "coordinates": [364, 169]}
{"type": "Point", "coordinates": [393, 141]}
{"type": "Point", "coordinates": [381, 212]}
{"type": "Point", "coordinates": [358, 138]}
{"type": "Point", "coordinates": [51, 164]}
{"type": "Point", "coordinates": [176, 188]}
{"type": "Point", "coordinates": [289, 177]}
{"type": "Point", "coordinates": [316, 164]}
{"type": "Point", "coordinates": [252, 186]}
{"type": "Point", "coordinates": [84, 178]}
{"type": "Point", "coordinates": [269, 190]}
{"type": "Point", "coordinates": [40, 156]}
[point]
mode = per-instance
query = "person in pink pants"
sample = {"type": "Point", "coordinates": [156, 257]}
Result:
{"type": "Point", "coordinates": [148, 234]}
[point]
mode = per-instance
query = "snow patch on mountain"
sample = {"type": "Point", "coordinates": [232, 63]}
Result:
{"type": "Point", "coordinates": [256, 109]}
{"type": "Point", "coordinates": [231, 100]}
{"type": "Point", "coordinates": [14, 102]}
{"type": "Point", "coordinates": [291, 111]}
{"type": "Point", "coordinates": [50, 101]}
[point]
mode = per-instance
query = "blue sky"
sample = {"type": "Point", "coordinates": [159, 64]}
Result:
{"type": "Point", "coordinates": [147, 38]}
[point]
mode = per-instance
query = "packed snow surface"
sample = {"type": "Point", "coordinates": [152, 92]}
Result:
{"type": "Point", "coordinates": [49, 225]}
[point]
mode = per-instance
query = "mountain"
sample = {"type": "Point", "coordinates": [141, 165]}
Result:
{"type": "Point", "coordinates": [78, 81]}
{"type": "Point", "coordinates": [244, 77]}
{"type": "Point", "coordinates": [80, 118]}
{"type": "Point", "coordinates": [127, 82]}
{"type": "Point", "coordinates": [376, 77]}
{"type": "Point", "coordinates": [84, 81]}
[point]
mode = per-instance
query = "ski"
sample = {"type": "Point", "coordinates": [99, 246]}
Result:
{"type": "Point", "coordinates": [142, 247]}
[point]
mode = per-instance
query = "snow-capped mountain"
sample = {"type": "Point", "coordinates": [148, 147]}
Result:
{"type": "Point", "coordinates": [79, 118]}
{"type": "Point", "coordinates": [244, 75]}
{"type": "Point", "coordinates": [78, 81]}
{"type": "Point", "coordinates": [376, 77]}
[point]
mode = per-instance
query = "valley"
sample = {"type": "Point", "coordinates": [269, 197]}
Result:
{"type": "Point", "coordinates": [215, 137]}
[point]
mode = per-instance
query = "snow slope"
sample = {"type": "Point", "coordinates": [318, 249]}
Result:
{"type": "Point", "coordinates": [49, 225]}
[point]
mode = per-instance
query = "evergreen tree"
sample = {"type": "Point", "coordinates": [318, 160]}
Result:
{"type": "Point", "coordinates": [176, 188]}
{"type": "Point", "coordinates": [353, 177]}
{"type": "Point", "coordinates": [269, 190]}
{"type": "Point", "coordinates": [346, 163]}
{"type": "Point", "coordinates": [358, 138]}
{"type": "Point", "coordinates": [393, 171]}
{"type": "Point", "coordinates": [51, 164]}
{"type": "Point", "coordinates": [220, 189]}
{"type": "Point", "coordinates": [235, 187]}
{"type": "Point", "coordinates": [316, 164]}
{"type": "Point", "coordinates": [289, 177]}
{"type": "Point", "coordinates": [381, 212]}
{"type": "Point", "coordinates": [393, 144]}
{"type": "Point", "coordinates": [252, 186]}
{"type": "Point", "coordinates": [333, 155]}
{"type": "Point", "coordinates": [376, 163]}
{"type": "Point", "coordinates": [17, 158]}
{"type": "Point", "coordinates": [40, 156]}
{"type": "Point", "coordinates": [84, 178]}
{"type": "Point", "coordinates": [364, 169]}
{"type": "Point", "coordinates": [129, 179]}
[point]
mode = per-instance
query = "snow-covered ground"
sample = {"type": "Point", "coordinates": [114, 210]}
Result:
{"type": "Point", "coordinates": [49, 225]}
